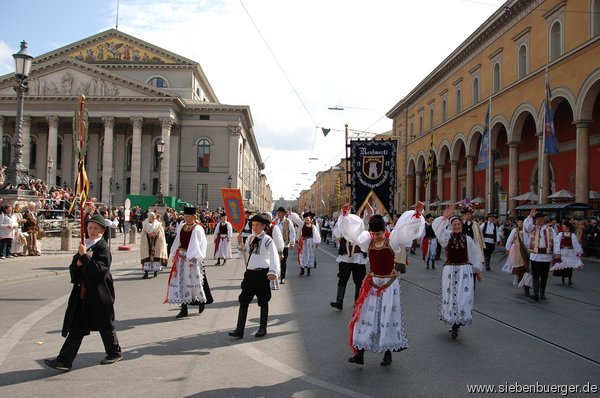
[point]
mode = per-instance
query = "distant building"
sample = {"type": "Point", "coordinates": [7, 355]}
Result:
{"type": "Point", "coordinates": [136, 93]}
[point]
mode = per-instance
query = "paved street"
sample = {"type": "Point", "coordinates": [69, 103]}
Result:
{"type": "Point", "coordinates": [305, 353]}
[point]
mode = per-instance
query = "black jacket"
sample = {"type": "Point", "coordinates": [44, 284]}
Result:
{"type": "Point", "coordinates": [96, 311]}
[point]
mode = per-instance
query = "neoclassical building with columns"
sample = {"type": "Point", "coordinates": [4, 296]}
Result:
{"type": "Point", "coordinates": [505, 59]}
{"type": "Point", "coordinates": [135, 93]}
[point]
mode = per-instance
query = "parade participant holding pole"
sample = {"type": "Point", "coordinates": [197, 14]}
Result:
{"type": "Point", "coordinates": [539, 239]}
{"type": "Point", "coordinates": [91, 304]}
{"type": "Point", "coordinates": [262, 266]}
{"type": "Point", "coordinates": [377, 323]}
{"type": "Point", "coordinates": [463, 260]}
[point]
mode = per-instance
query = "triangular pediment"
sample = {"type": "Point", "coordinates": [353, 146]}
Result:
{"type": "Point", "coordinates": [115, 47]}
{"type": "Point", "coordinates": [68, 77]}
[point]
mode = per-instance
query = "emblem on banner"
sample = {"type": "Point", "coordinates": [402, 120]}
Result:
{"type": "Point", "coordinates": [372, 167]}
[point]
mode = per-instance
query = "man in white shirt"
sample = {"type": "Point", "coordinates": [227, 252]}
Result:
{"type": "Point", "coordinates": [286, 226]}
{"type": "Point", "coordinates": [539, 238]}
{"type": "Point", "coordinates": [491, 238]}
{"type": "Point", "coordinates": [262, 266]}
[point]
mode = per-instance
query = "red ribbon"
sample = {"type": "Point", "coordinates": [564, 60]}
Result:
{"type": "Point", "coordinates": [173, 271]}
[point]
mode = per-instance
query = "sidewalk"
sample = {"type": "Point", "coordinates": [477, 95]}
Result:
{"type": "Point", "coordinates": [54, 261]}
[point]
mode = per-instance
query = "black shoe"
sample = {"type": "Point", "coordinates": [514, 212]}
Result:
{"type": "Point", "coordinates": [218, 262]}
{"type": "Point", "coordinates": [387, 358]}
{"type": "Point", "coordinates": [112, 358]}
{"type": "Point", "coordinates": [56, 364]}
{"type": "Point", "coordinates": [308, 272]}
{"type": "Point", "coordinates": [535, 298]}
{"type": "Point", "coordinates": [542, 296]}
{"type": "Point", "coordinates": [282, 281]}
{"type": "Point", "coordinates": [145, 275]}
{"type": "Point", "coordinates": [570, 282]}
{"type": "Point", "coordinates": [238, 334]}
{"type": "Point", "coordinates": [261, 332]}
{"type": "Point", "coordinates": [301, 272]}
{"type": "Point", "coordinates": [487, 267]}
{"type": "Point", "coordinates": [183, 313]}
{"type": "Point", "coordinates": [335, 304]}
{"type": "Point", "coordinates": [201, 308]}
{"type": "Point", "coordinates": [358, 358]}
{"type": "Point", "coordinates": [224, 261]}
{"type": "Point", "coordinates": [155, 273]}
{"type": "Point", "coordinates": [454, 331]}
{"type": "Point", "coordinates": [432, 265]}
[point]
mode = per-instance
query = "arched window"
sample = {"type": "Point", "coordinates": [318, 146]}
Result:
{"type": "Point", "coordinates": [158, 82]}
{"type": "Point", "coordinates": [555, 41]}
{"type": "Point", "coordinates": [6, 151]}
{"type": "Point", "coordinates": [412, 129]}
{"type": "Point", "coordinates": [475, 90]}
{"type": "Point", "coordinates": [444, 110]}
{"type": "Point", "coordinates": [128, 154]}
{"type": "Point", "coordinates": [458, 102]}
{"type": "Point", "coordinates": [596, 18]}
{"type": "Point", "coordinates": [522, 62]}
{"type": "Point", "coordinates": [497, 77]}
{"type": "Point", "coordinates": [59, 149]}
{"type": "Point", "coordinates": [203, 155]}
{"type": "Point", "coordinates": [32, 152]}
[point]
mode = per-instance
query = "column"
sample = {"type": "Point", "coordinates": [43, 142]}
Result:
{"type": "Point", "coordinates": [136, 155]}
{"type": "Point", "coordinates": [428, 194]}
{"type": "Point", "coordinates": [489, 182]}
{"type": "Point", "coordinates": [166, 124]}
{"type": "Point", "coordinates": [2, 120]}
{"type": "Point", "coordinates": [107, 157]}
{"type": "Point", "coordinates": [470, 175]}
{"type": "Point", "coordinates": [52, 145]}
{"type": "Point", "coordinates": [582, 165]}
{"type": "Point", "coordinates": [418, 179]}
{"type": "Point", "coordinates": [453, 180]}
{"type": "Point", "coordinates": [513, 175]}
{"type": "Point", "coordinates": [25, 140]}
{"type": "Point", "coordinates": [440, 182]}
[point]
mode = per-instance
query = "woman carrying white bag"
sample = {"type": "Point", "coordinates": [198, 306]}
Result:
{"type": "Point", "coordinates": [518, 259]}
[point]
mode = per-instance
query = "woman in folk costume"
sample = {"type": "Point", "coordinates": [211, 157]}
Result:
{"type": "Point", "coordinates": [223, 233]}
{"type": "Point", "coordinates": [429, 244]}
{"type": "Point", "coordinates": [376, 324]}
{"type": "Point", "coordinates": [567, 252]}
{"type": "Point", "coordinates": [308, 242]}
{"type": "Point", "coordinates": [463, 260]}
{"type": "Point", "coordinates": [517, 262]}
{"type": "Point", "coordinates": [187, 280]}
{"type": "Point", "coordinates": [153, 246]}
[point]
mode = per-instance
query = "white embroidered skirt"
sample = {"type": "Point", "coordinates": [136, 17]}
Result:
{"type": "Point", "coordinates": [185, 283]}
{"type": "Point", "coordinates": [568, 259]}
{"type": "Point", "coordinates": [456, 295]}
{"type": "Point", "coordinates": [307, 257]}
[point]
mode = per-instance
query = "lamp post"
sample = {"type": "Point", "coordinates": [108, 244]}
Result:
{"type": "Point", "coordinates": [229, 181]}
{"type": "Point", "coordinates": [17, 172]}
{"type": "Point", "coordinates": [160, 149]}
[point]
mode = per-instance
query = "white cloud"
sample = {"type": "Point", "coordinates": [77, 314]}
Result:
{"type": "Point", "coordinates": [7, 64]}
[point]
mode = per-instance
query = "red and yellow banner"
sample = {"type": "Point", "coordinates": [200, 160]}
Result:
{"type": "Point", "coordinates": [234, 207]}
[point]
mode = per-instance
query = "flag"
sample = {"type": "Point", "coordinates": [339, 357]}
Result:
{"type": "Point", "coordinates": [550, 140]}
{"type": "Point", "coordinates": [484, 149]}
{"type": "Point", "coordinates": [325, 131]}
{"type": "Point", "coordinates": [429, 163]}
{"type": "Point", "coordinates": [338, 191]}
{"type": "Point", "coordinates": [234, 207]}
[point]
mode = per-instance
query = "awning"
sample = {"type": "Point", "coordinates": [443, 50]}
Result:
{"type": "Point", "coordinates": [555, 206]}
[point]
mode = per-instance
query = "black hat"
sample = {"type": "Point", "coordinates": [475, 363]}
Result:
{"type": "Point", "coordinates": [539, 214]}
{"type": "Point", "coordinates": [491, 215]}
{"type": "Point", "coordinates": [247, 211]}
{"type": "Point", "coordinates": [376, 223]}
{"type": "Point", "coordinates": [260, 218]}
{"type": "Point", "coordinates": [520, 218]}
{"type": "Point", "coordinates": [307, 214]}
{"type": "Point", "coordinates": [189, 211]}
{"type": "Point", "coordinates": [223, 214]}
{"type": "Point", "coordinates": [98, 219]}
{"type": "Point", "coordinates": [280, 208]}
{"type": "Point", "coordinates": [428, 216]}
{"type": "Point", "coordinates": [466, 210]}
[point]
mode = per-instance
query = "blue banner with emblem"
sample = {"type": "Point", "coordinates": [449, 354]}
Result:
{"type": "Point", "coordinates": [373, 173]}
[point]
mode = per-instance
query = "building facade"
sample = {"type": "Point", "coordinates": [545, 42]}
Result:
{"type": "Point", "coordinates": [504, 63]}
{"type": "Point", "coordinates": [327, 193]}
{"type": "Point", "coordinates": [136, 93]}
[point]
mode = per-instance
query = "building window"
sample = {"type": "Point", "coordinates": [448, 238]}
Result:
{"type": "Point", "coordinates": [421, 124]}
{"type": "Point", "coordinates": [154, 186]}
{"type": "Point", "coordinates": [128, 154]}
{"type": "Point", "coordinates": [595, 15]}
{"type": "Point", "coordinates": [158, 82]}
{"type": "Point", "coordinates": [458, 102]}
{"type": "Point", "coordinates": [431, 120]}
{"type": "Point", "coordinates": [202, 195]}
{"type": "Point", "coordinates": [128, 185]}
{"type": "Point", "coordinates": [497, 76]}
{"type": "Point", "coordinates": [59, 149]}
{"type": "Point", "coordinates": [444, 110]}
{"type": "Point", "coordinates": [555, 41]}
{"type": "Point", "coordinates": [475, 90]}
{"type": "Point", "coordinates": [203, 155]}
{"type": "Point", "coordinates": [412, 129]}
{"type": "Point", "coordinates": [32, 152]}
{"type": "Point", "coordinates": [522, 62]}
{"type": "Point", "coordinates": [6, 151]}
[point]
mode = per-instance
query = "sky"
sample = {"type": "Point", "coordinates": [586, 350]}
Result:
{"type": "Point", "coordinates": [290, 61]}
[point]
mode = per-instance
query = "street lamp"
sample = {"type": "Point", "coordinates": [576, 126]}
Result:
{"type": "Point", "coordinates": [229, 181]}
{"type": "Point", "coordinates": [50, 166]}
{"type": "Point", "coordinates": [17, 172]}
{"type": "Point", "coordinates": [160, 149]}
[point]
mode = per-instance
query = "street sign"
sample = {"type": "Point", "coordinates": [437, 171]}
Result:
{"type": "Point", "coordinates": [127, 204]}
{"type": "Point", "coordinates": [127, 215]}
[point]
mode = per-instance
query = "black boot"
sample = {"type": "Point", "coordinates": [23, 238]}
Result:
{"type": "Point", "coordinates": [427, 262]}
{"type": "Point", "coordinates": [308, 272]}
{"type": "Point", "coordinates": [200, 308]}
{"type": "Point", "coordinates": [241, 323]}
{"type": "Point", "coordinates": [432, 264]}
{"type": "Point", "coordinates": [562, 279]}
{"type": "Point", "coordinates": [145, 275]}
{"type": "Point", "coordinates": [339, 299]}
{"type": "Point", "coordinates": [183, 313]}
{"type": "Point", "coordinates": [387, 358]}
{"type": "Point", "coordinates": [526, 288]}
{"type": "Point", "coordinates": [301, 271]}
{"type": "Point", "coordinates": [454, 331]}
{"type": "Point", "coordinates": [218, 261]}
{"type": "Point", "coordinates": [570, 282]}
{"type": "Point", "coordinates": [358, 358]}
{"type": "Point", "coordinates": [264, 316]}
{"type": "Point", "coordinates": [224, 261]}
{"type": "Point", "coordinates": [155, 273]}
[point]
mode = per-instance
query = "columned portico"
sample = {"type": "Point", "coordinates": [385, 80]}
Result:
{"type": "Point", "coordinates": [470, 175]}
{"type": "Point", "coordinates": [513, 175]}
{"type": "Point", "coordinates": [107, 157]}
{"type": "Point", "coordinates": [25, 140]}
{"type": "Point", "coordinates": [52, 146]}
{"type": "Point", "coordinates": [166, 124]}
{"type": "Point", "coordinates": [582, 168]}
{"type": "Point", "coordinates": [453, 180]}
{"type": "Point", "coordinates": [136, 155]}
{"type": "Point", "coordinates": [440, 181]}
{"type": "Point", "coordinates": [2, 120]}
